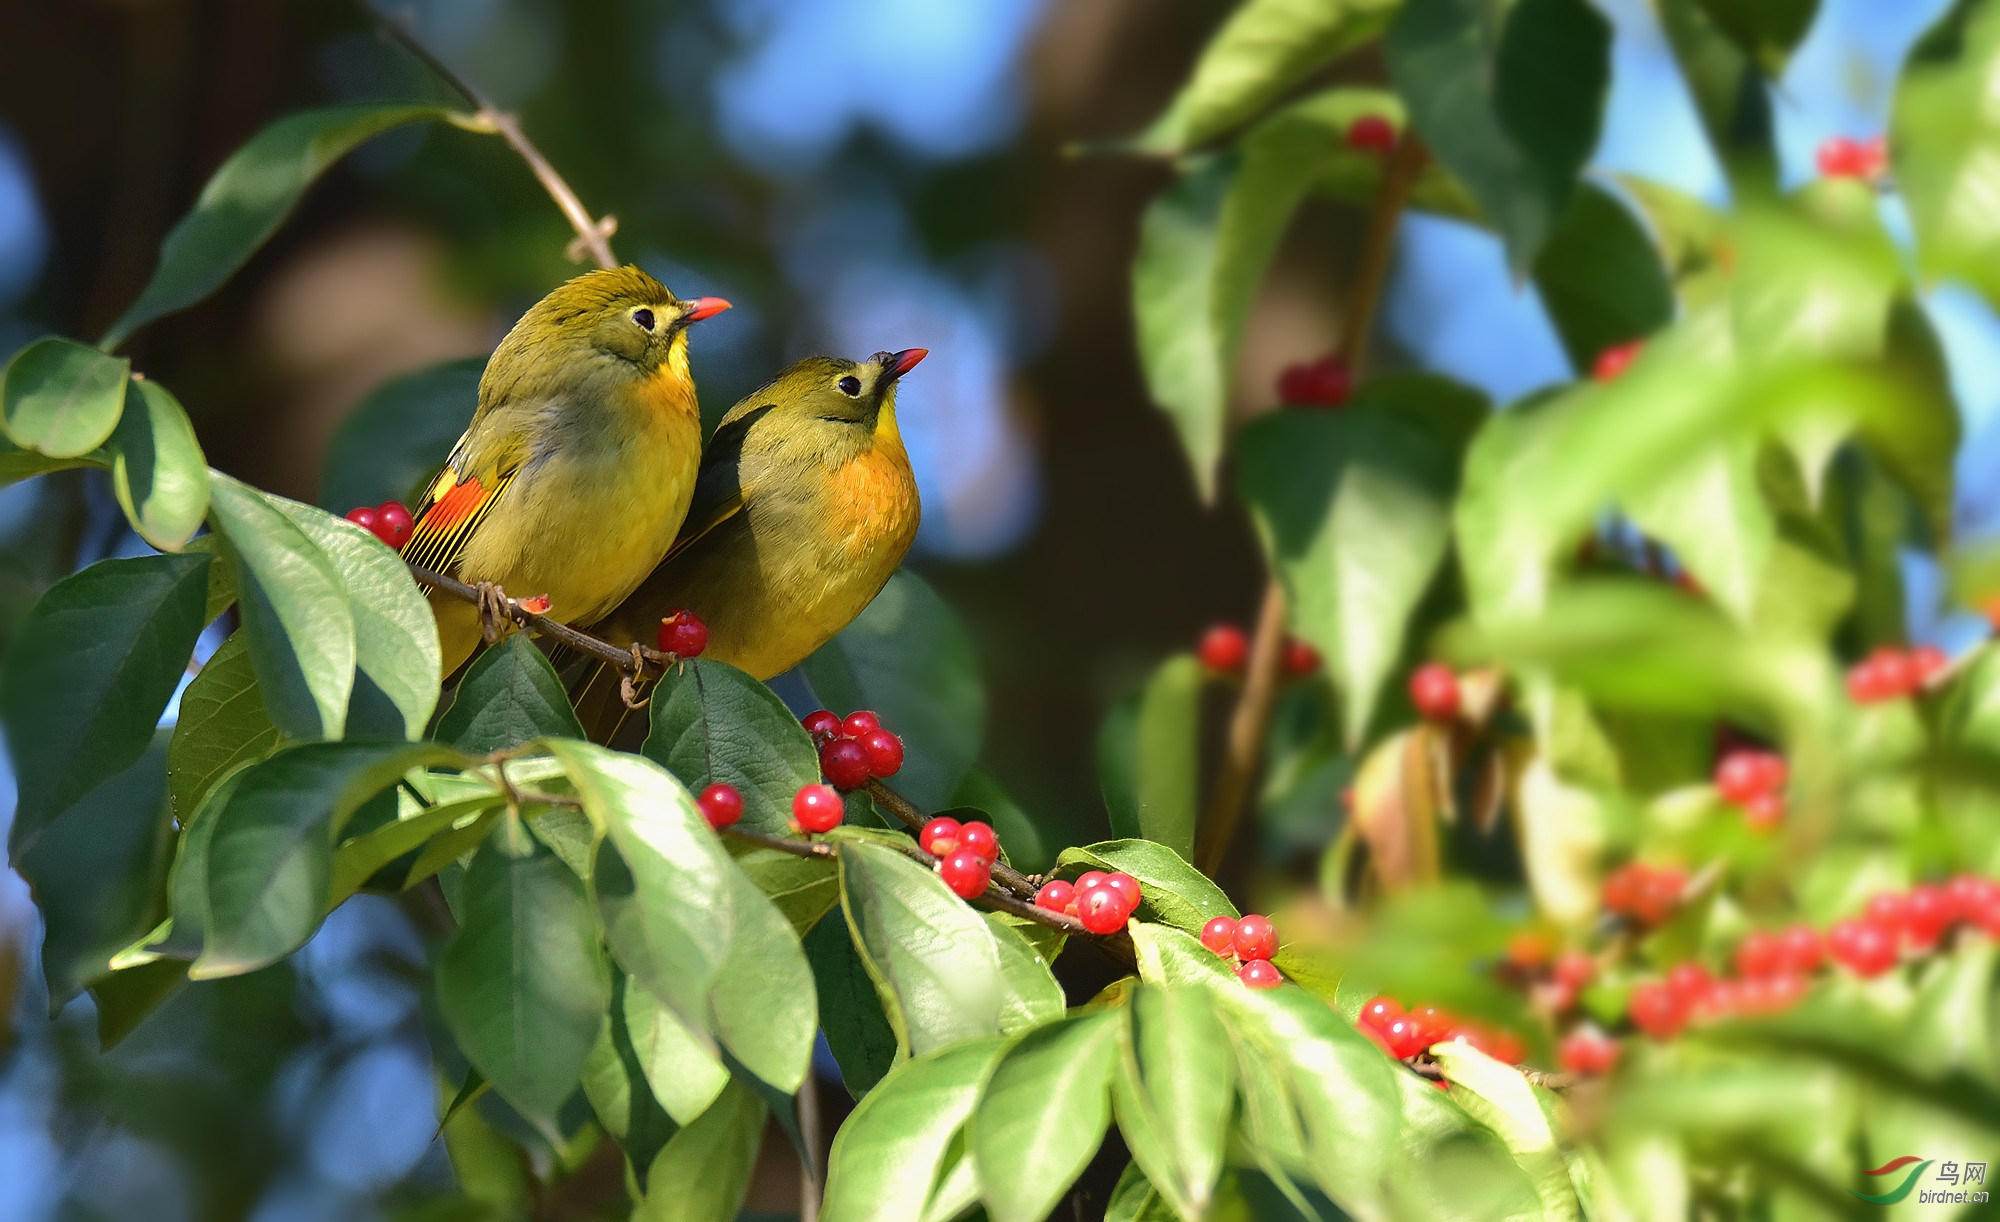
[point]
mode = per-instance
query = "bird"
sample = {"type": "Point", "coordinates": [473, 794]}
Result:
{"type": "Point", "coordinates": [579, 465]}
{"type": "Point", "coordinates": [804, 508]}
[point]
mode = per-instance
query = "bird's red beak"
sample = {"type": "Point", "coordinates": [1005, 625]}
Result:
{"type": "Point", "coordinates": [902, 362]}
{"type": "Point", "coordinates": [705, 307]}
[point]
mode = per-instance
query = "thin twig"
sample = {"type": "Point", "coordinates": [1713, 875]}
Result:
{"type": "Point", "coordinates": [592, 235]}
{"type": "Point", "coordinates": [650, 665]}
{"type": "Point", "coordinates": [808, 1109]}
{"type": "Point", "coordinates": [784, 844]}
{"type": "Point", "coordinates": [1251, 718]}
{"type": "Point", "coordinates": [914, 819]}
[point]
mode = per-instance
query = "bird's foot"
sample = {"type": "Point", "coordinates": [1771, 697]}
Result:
{"type": "Point", "coordinates": [495, 611]}
{"type": "Point", "coordinates": [628, 688]}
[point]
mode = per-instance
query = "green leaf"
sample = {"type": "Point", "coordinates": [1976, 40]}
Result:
{"type": "Point", "coordinates": [62, 399]}
{"type": "Point", "coordinates": [222, 726]}
{"type": "Point", "coordinates": [125, 997]}
{"type": "Point", "coordinates": [1767, 30]}
{"type": "Point", "coordinates": [1174, 1092]}
{"type": "Point", "coordinates": [1136, 1200]}
{"type": "Point", "coordinates": [1026, 834]}
{"type": "Point", "coordinates": [1731, 95]}
{"type": "Point", "coordinates": [88, 674]}
{"type": "Point", "coordinates": [157, 468]}
{"type": "Point", "coordinates": [296, 613]}
{"type": "Point", "coordinates": [804, 888]}
{"type": "Point", "coordinates": [1147, 757]}
{"type": "Point", "coordinates": [850, 1011]}
{"type": "Point", "coordinates": [1711, 512]}
{"type": "Point", "coordinates": [1354, 509]}
{"type": "Point", "coordinates": [932, 957]}
{"type": "Point", "coordinates": [1043, 1114]}
{"type": "Point", "coordinates": [677, 1061]}
{"type": "Point", "coordinates": [1943, 137]}
{"type": "Point", "coordinates": [1174, 306]}
{"type": "Point", "coordinates": [615, 1082]}
{"type": "Point", "coordinates": [1509, 100]}
{"type": "Point", "coordinates": [222, 590]}
{"type": "Point", "coordinates": [664, 887]}
{"type": "Point", "coordinates": [1167, 955]}
{"type": "Point", "coordinates": [1170, 889]}
{"type": "Point", "coordinates": [397, 437]}
{"type": "Point", "coordinates": [248, 198]}
{"type": "Point", "coordinates": [764, 1010]}
{"type": "Point", "coordinates": [703, 1174]}
{"type": "Point", "coordinates": [1601, 277]}
{"type": "Point", "coordinates": [1264, 49]}
{"type": "Point", "coordinates": [523, 985]}
{"type": "Point", "coordinates": [270, 848]}
{"type": "Point", "coordinates": [910, 659]}
{"type": "Point", "coordinates": [1030, 995]}
{"type": "Point", "coordinates": [509, 697]}
{"type": "Point", "coordinates": [1501, 1099]}
{"type": "Point", "coordinates": [397, 660]}
{"type": "Point", "coordinates": [713, 723]}
{"type": "Point", "coordinates": [888, 1155]}
{"type": "Point", "coordinates": [97, 872]}
{"type": "Point", "coordinates": [17, 464]}
{"type": "Point", "coordinates": [358, 860]}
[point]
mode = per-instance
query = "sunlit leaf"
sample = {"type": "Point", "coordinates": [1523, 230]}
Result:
{"type": "Point", "coordinates": [1945, 144]}
{"type": "Point", "coordinates": [61, 398]}
{"type": "Point", "coordinates": [1499, 1097]}
{"type": "Point", "coordinates": [703, 1174]}
{"type": "Point", "coordinates": [157, 469]}
{"type": "Point", "coordinates": [1043, 1114]}
{"type": "Point", "coordinates": [887, 1156]}
{"type": "Point", "coordinates": [713, 723]}
{"type": "Point", "coordinates": [764, 1010]}
{"type": "Point", "coordinates": [1170, 889]}
{"type": "Point", "coordinates": [615, 1082]}
{"type": "Point", "coordinates": [1173, 1092]}
{"type": "Point", "coordinates": [1173, 303]}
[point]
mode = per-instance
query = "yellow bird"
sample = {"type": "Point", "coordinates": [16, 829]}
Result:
{"type": "Point", "coordinates": [579, 464]}
{"type": "Point", "coordinates": [804, 507]}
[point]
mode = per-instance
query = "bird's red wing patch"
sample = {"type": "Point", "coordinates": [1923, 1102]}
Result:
{"type": "Point", "coordinates": [453, 507]}
{"type": "Point", "coordinates": [443, 526]}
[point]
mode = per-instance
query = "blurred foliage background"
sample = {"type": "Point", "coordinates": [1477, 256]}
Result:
{"type": "Point", "coordinates": [854, 175]}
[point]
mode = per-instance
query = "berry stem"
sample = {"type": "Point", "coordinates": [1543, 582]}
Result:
{"type": "Point", "coordinates": [1015, 884]}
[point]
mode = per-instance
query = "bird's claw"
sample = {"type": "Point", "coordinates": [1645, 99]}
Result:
{"type": "Point", "coordinates": [493, 608]}
{"type": "Point", "coordinates": [628, 689]}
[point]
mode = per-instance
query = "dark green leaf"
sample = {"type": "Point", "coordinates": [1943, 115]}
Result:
{"type": "Point", "coordinates": [703, 1174]}
{"type": "Point", "coordinates": [62, 399]}
{"type": "Point", "coordinates": [1354, 509]}
{"type": "Point", "coordinates": [88, 675]}
{"type": "Point", "coordinates": [125, 997]}
{"type": "Point", "coordinates": [509, 697]}
{"type": "Point", "coordinates": [395, 635]}
{"type": "Point", "coordinates": [98, 872]}
{"type": "Point", "coordinates": [1042, 1115]}
{"type": "Point", "coordinates": [1174, 1092]}
{"type": "Point", "coordinates": [909, 658]}
{"type": "Point", "coordinates": [17, 464]}
{"type": "Point", "coordinates": [399, 435]}
{"type": "Point", "coordinates": [1601, 278]}
{"type": "Point", "coordinates": [1136, 1200]}
{"type": "Point", "coordinates": [888, 1155]}
{"type": "Point", "coordinates": [523, 985]}
{"type": "Point", "coordinates": [763, 1009]}
{"type": "Point", "coordinates": [356, 861]}
{"type": "Point", "coordinates": [248, 198]}
{"type": "Point", "coordinates": [1173, 304]}
{"type": "Point", "coordinates": [1731, 95]}
{"type": "Point", "coordinates": [1767, 30]}
{"type": "Point", "coordinates": [157, 468]}
{"type": "Point", "coordinates": [711, 722]}
{"type": "Point", "coordinates": [850, 1010]}
{"type": "Point", "coordinates": [296, 614]}
{"type": "Point", "coordinates": [1171, 890]}
{"type": "Point", "coordinates": [1147, 757]}
{"type": "Point", "coordinates": [1508, 99]}
{"type": "Point", "coordinates": [222, 726]}
{"type": "Point", "coordinates": [270, 849]}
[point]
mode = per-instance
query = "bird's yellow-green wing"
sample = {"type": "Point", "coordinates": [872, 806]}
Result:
{"type": "Point", "coordinates": [718, 488]}
{"type": "Point", "coordinates": [457, 501]}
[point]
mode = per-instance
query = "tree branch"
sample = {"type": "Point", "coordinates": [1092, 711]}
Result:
{"type": "Point", "coordinates": [901, 807]}
{"type": "Point", "coordinates": [651, 665]}
{"type": "Point", "coordinates": [1251, 718]}
{"type": "Point", "coordinates": [592, 235]}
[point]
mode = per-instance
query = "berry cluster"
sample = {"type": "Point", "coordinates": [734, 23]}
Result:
{"type": "Point", "coordinates": [1615, 360]}
{"type": "Point", "coordinates": [1532, 963]}
{"type": "Point", "coordinates": [389, 522]}
{"type": "Point", "coordinates": [965, 852]}
{"type": "Point", "coordinates": [682, 634]}
{"type": "Point", "coordinates": [1225, 649]}
{"type": "Point", "coordinates": [1646, 894]}
{"type": "Point", "coordinates": [1841, 157]}
{"type": "Point", "coordinates": [1754, 781]}
{"type": "Point", "coordinates": [1103, 902]}
{"type": "Point", "coordinates": [1407, 1033]}
{"type": "Point", "coordinates": [1890, 673]}
{"type": "Point", "coordinates": [1434, 690]}
{"type": "Point", "coordinates": [854, 748]}
{"type": "Point", "coordinates": [1250, 941]}
{"type": "Point", "coordinates": [1371, 134]}
{"type": "Point", "coordinates": [1325, 382]}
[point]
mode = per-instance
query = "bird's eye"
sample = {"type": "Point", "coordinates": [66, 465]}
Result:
{"type": "Point", "coordinates": [644, 318]}
{"type": "Point", "coordinates": [850, 386]}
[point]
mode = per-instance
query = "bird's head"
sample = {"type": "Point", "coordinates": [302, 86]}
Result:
{"type": "Point", "coordinates": [856, 397]}
{"type": "Point", "coordinates": [620, 313]}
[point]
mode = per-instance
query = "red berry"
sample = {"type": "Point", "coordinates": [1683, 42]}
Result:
{"type": "Point", "coordinates": [1433, 1023]}
{"type": "Point", "coordinates": [1621, 888]}
{"type": "Point", "coordinates": [1840, 157]}
{"type": "Point", "coordinates": [1224, 649]}
{"type": "Point", "coordinates": [1588, 1052]}
{"type": "Point", "coordinates": [1659, 894]}
{"type": "Point", "coordinates": [1687, 982]}
{"type": "Point", "coordinates": [885, 752]}
{"type": "Point", "coordinates": [1976, 901]}
{"type": "Point", "coordinates": [1574, 969]}
{"type": "Point", "coordinates": [1743, 775]}
{"type": "Point", "coordinates": [1090, 878]}
{"type": "Point", "coordinates": [1889, 909]}
{"type": "Point", "coordinates": [979, 838]}
{"type": "Point", "coordinates": [1927, 915]}
{"type": "Point", "coordinates": [720, 804]}
{"type": "Point", "coordinates": [844, 764]}
{"type": "Point", "coordinates": [1371, 134]}
{"type": "Point", "coordinates": [1801, 950]}
{"type": "Point", "coordinates": [363, 517]}
{"type": "Point", "coordinates": [1325, 382]}
{"type": "Point", "coordinates": [939, 836]}
{"type": "Point", "coordinates": [1127, 886]}
{"type": "Point", "coordinates": [860, 722]}
{"type": "Point", "coordinates": [817, 808]}
{"type": "Point", "coordinates": [1926, 663]}
{"type": "Point", "coordinates": [393, 524]}
{"type": "Point", "coordinates": [1862, 946]}
{"type": "Point", "coordinates": [1259, 974]}
{"type": "Point", "coordinates": [1055, 896]}
{"type": "Point", "coordinates": [1760, 954]}
{"type": "Point", "coordinates": [1654, 1010]}
{"type": "Point", "coordinates": [1256, 938]}
{"type": "Point", "coordinates": [1219, 935]}
{"type": "Point", "coordinates": [965, 872]}
{"type": "Point", "coordinates": [1301, 659]}
{"type": "Point", "coordinates": [1406, 1035]}
{"type": "Point", "coordinates": [1434, 690]}
{"type": "Point", "coordinates": [1765, 812]}
{"type": "Point", "coordinates": [1101, 909]}
{"type": "Point", "coordinates": [821, 724]}
{"type": "Point", "coordinates": [683, 635]}
{"type": "Point", "coordinates": [1527, 949]}
{"type": "Point", "coordinates": [1377, 1011]}
{"type": "Point", "coordinates": [1874, 156]}
{"type": "Point", "coordinates": [1614, 360]}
